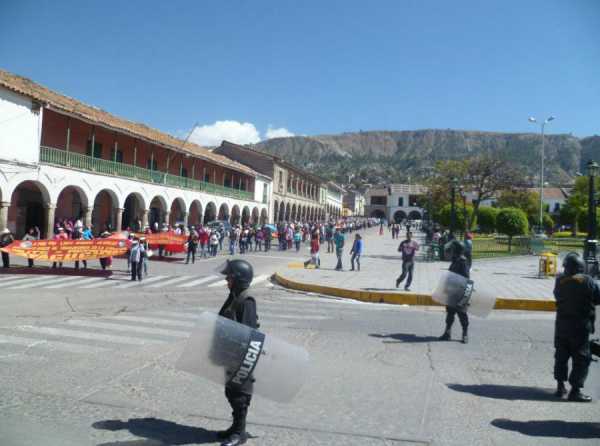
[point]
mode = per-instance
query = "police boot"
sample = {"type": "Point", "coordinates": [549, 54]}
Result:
{"type": "Point", "coordinates": [445, 336]}
{"type": "Point", "coordinates": [561, 390]}
{"type": "Point", "coordinates": [465, 336]}
{"type": "Point", "coordinates": [222, 435]}
{"type": "Point", "coordinates": [576, 395]}
{"type": "Point", "coordinates": [235, 439]}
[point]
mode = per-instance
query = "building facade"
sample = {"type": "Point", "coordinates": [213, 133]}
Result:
{"type": "Point", "coordinates": [297, 195]}
{"type": "Point", "coordinates": [394, 202]}
{"type": "Point", "coordinates": [335, 201]}
{"type": "Point", "coordinates": [354, 204]}
{"type": "Point", "coordinates": [62, 159]}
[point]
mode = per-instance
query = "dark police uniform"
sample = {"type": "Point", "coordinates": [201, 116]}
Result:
{"type": "Point", "coordinates": [241, 308]}
{"type": "Point", "coordinates": [576, 295]}
{"type": "Point", "coordinates": [458, 266]}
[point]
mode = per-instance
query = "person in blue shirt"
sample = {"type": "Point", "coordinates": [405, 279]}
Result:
{"type": "Point", "coordinates": [356, 251]}
{"type": "Point", "coordinates": [339, 240]}
{"type": "Point", "coordinates": [87, 233]}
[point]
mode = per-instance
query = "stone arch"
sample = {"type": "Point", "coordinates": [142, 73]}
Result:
{"type": "Point", "coordinates": [223, 212]}
{"type": "Point", "coordinates": [288, 210]}
{"type": "Point", "coordinates": [134, 209]}
{"type": "Point", "coordinates": [235, 215]}
{"type": "Point", "coordinates": [281, 211]}
{"type": "Point", "coordinates": [177, 212]}
{"type": "Point", "coordinates": [245, 215]}
{"type": "Point", "coordinates": [71, 203]}
{"type": "Point", "coordinates": [264, 216]}
{"type": "Point", "coordinates": [195, 213]}
{"type": "Point", "coordinates": [210, 214]}
{"type": "Point", "coordinates": [293, 214]}
{"type": "Point", "coordinates": [255, 216]}
{"type": "Point", "coordinates": [399, 216]}
{"type": "Point", "coordinates": [275, 211]}
{"type": "Point", "coordinates": [104, 209]}
{"type": "Point", "coordinates": [29, 203]}
{"type": "Point", "coordinates": [377, 213]}
{"type": "Point", "coordinates": [414, 215]}
{"type": "Point", "coordinates": [157, 211]}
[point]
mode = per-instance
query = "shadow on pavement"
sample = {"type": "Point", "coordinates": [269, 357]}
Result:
{"type": "Point", "coordinates": [92, 271]}
{"type": "Point", "coordinates": [157, 432]}
{"type": "Point", "coordinates": [405, 337]}
{"type": "Point", "coordinates": [550, 428]}
{"type": "Point", "coordinates": [512, 393]}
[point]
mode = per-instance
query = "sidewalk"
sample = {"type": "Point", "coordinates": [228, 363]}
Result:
{"type": "Point", "coordinates": [513, 279]}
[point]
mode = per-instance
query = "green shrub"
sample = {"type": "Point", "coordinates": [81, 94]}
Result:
{"type": "Point", "coordinates": [486, 220]}
{"type": "Point", "coordinates": [512, 222]}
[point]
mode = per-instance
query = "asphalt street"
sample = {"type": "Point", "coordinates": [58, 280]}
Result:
{"type": "Point", "coordinates": [92, 363]}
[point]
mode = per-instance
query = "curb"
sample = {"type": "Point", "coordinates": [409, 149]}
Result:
{"type": "Point", "coordinates": [407, 298]}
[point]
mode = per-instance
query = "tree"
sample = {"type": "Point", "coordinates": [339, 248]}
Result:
{"type": "Point", "coordinates": [443, 216]}
{"type": "Point", "coordinates": [487, 219]}
{"type": "Point", "coordinates": [526, 200]}
{"type": "Point", "coordinates": [547, 222]}
{"type": "Point", "coordinates": [512, 221]}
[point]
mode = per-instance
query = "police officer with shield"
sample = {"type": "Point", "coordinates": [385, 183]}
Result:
{"type": "Point", "coordinates": [576, 296]}
{"type": "Point", "coordinates": [239, 307]}
{"type": "Point", "coordinates": [455, 250]}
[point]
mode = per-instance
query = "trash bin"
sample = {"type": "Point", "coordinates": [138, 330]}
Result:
{"type": "Point", "coordinates": [548, 264]}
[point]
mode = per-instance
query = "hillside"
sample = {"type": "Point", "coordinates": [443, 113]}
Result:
{"type": "Point", "coordinates": [390, 156]}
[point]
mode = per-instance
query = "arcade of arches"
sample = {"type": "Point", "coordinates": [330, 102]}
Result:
{"type": "Point", "coordinates": [283, 211]}
{"type": "Point", "coordinates": [30, 205]}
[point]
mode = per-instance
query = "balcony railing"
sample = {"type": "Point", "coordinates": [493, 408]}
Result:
{"type": "Point", "coordinates": [59, 157]}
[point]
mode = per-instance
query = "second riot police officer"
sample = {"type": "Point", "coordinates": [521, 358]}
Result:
{"type": "Point", "coordinates": [455, 250]}
{"type": "Point", "coordinates": [576, 295]}
{"type": "Point", "coordinates": [240, 307]}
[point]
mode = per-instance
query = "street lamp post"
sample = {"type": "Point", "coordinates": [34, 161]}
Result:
{"type": "Point", "coordinates": [453, 206]}
{"type": "Point", "coordinates": [589, 251]}
{"type": "Point", "coordinates": [542, 125]}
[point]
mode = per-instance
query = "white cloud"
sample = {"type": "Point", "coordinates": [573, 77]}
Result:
{"type": "Point", "coordinates": [281, 132]}
{"type": "Point", "coordinates": [233, 131]}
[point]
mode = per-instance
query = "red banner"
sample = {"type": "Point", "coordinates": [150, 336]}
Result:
{"type": "Point", "coordinates": [169, 240]}
{"type": "Point", "coordinates": [67, 250]}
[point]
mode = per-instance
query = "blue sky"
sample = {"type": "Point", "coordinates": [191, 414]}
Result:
{"type": "Point", "coordinates": [316, 67]}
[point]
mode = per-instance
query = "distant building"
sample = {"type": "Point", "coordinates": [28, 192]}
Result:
{"type": "Point", "coordinates": [296, 194]}
{"type": "Point", "coordinates": [335, 202]}
{"type": "Point", "coordinates": [354, 204]}
{"type": "Point", "coordinates": [395, 202]}
{"type": "Point", "coordinates": [554, 197]}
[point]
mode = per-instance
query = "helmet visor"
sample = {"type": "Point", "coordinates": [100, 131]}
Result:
{"type": "Point", "coordinates": [223, 268]}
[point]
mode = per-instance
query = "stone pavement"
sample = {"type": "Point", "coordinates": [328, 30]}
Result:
{"type": "Point", "coordinates": [381, 264]}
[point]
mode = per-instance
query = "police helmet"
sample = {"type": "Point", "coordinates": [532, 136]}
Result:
{"type": "Point", "coordinates": [573, 264]}
{"type": "Point", "coordinates": [240, 270]}
{"type": "Point", "coordinates": [454, 248]}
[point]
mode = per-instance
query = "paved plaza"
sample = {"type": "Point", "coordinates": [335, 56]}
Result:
{"type": "Point", "coordinates": [381, 264]}
{"type": "Point", "coordinates": [92, 363]}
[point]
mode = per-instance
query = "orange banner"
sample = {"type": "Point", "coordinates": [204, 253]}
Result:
{"type": "Point", "coordinates": [164, 238]}
{"type": "Point", "coordinates": [67, 250]}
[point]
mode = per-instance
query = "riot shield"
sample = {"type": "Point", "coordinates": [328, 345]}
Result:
{"type": "Point", "coordinates": [455, 290]}
{"type": "Point", "coordinates": [228, 353]}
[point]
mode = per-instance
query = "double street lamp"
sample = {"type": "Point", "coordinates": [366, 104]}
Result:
{"type": "Point", "coordinates": [542, 125]}
{"type": "Point", "coordinates": [589, 250]}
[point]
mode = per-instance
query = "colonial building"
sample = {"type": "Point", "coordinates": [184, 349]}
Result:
{"type": "Point", "coordinates": [297, 195]}
{"type": "Point", "coordinates": [395, 202]}
{"type": "Point", "coordinates": [335, 202]}
{"type": "Point", "coordinates": [61, 158]}
{"type": "Point", "coordinates": [354, 204]}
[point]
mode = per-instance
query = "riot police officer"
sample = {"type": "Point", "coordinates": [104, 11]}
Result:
{"type": "Point", "coordinates": [576, 295]}
{"type": "Point", "coordinates": [240, 307]}
{"type": "Point", "coordinates": [455, 250]}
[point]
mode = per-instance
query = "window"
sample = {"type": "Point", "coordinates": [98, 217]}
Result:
{"type": "Point", "coordinates": [226, 180]}
{"type": "Point", "coordinates": [119, 156]}
{"type": "Point", "coordinates": [400, 201]}
{"type": "Point", "coordinates": [265, 193]}
{"type": "Point", "coordinates": [151, 164]}
{"type": "Point", "coordinates": [413, 200]}
{"type": "Point", "coordinates": [379, 200]}
{"type": "Point", "coordinates": [206, 177]}
{"type": "Point", "coordinates": [184, 172]}
{"type": "Point", "coordinates": [242, 184]}
{"type": "Point", "coordinates": [97, 152]}
{"type": "Point", "coordinates": [556, 207]}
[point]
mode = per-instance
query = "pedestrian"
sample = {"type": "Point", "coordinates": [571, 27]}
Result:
{"type": "Point", "coordinates": [329, 237]}
{"type": "Point", "coordinates": [79, 236]}
{"type": "Point", "coordinates": [356, 251]}
{"type": "Point", "coordinates": [259, 237]}
{"type": "Point", "coordinates": [192, 243]}
{"type": "Point", "coordinates": [408, 248]}
{"type": "Point", "coordinates": [339, 240]}
{"type": "Point", "coordinates": [147, 252]}
{"type": "Point", "coordinates": [240, 306]}
{"type": "Point", "coordinates": [6, 238]}
{"type": "Point", "coordinates": [203, 237]}
{"type": "Point", "coordinates": [576, 295]}
{"type": "Point", "coordinates": [297, 239]}
{"type": "Point", "coordinates": [314, 252]}
{"type": "Point", "coordinates": [214, 243]}
{"type": "Point", "coordinates": [32, 234]}
{"type": "Point", "coordinates": [137, 257]}
{"type": "Point", "coordinates": [232, 238]}
{"type": "Point", "coordinates": [455, 250]}
{"type": "Point", "coordinates": [267, 235]}
{"type": "Point", "coordinates": [62, 235]}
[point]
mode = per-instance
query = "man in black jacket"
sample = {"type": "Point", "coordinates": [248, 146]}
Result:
{"type": "Point", "coordinates": [455, 250]}
{"type": "Point", "coordinates": [240, 307]}
{"type": "Point", "coordinates": [576, 295]}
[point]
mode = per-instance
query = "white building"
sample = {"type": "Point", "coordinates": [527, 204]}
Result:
{"type": "Point", "coordinates": [62, 159]}
{"type": "Point", "coordinates": [354, 204]}
{"type": "Point", "coordinates": [335, 201]}
{"type": "Point", "coordinates": [395, 202]}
